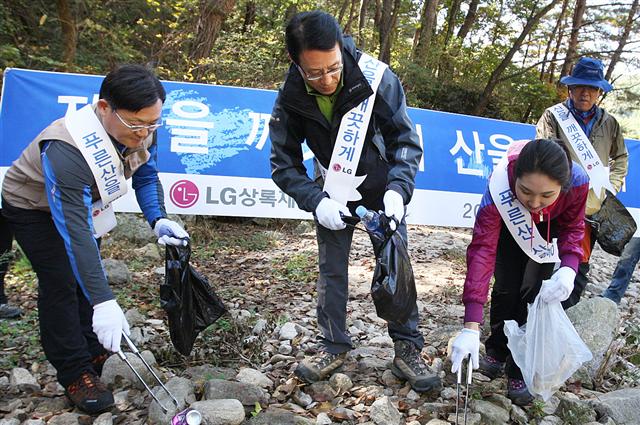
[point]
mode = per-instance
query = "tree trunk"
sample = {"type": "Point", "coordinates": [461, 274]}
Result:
{"type": "Point", "coordinates": [624, 37]}
{"type": "Point", "coordinates": [469, 20]}
{"type": "Point", "coordinates": [495, 75]}
{"type": "Point", "coordinates": [388, 20]}
{"type": "Point", "coordinates": [570, 56]}
{"type": "Point", "coordinates": [361, 24]}
{"type": "Point", "coordinates": [555, 30]}
{"type": "Point", "coordinates": [377, 20]}
{"type": "Point", "coordinates": [353, 15]}
{"type": "Point", "coordinates": [426, 31]}
{"type": "Point", "coordinates": [290, 11]}
{"type": "Point", "coordinates": [343, 10]}
{"type": "Point", "coordinates": [526, 51]}
{"type": "Point", "coordinates": [552, 68]}
{"type": "Point", "coordinates": [69, 33]}
{"type": "Point", "coordinates": [249, 15]}
{"type": "Point", "coordinates": [451, 20]}
{"type": "Point", "coordinates": [212, 15]}
{"type": "Point", "coordinates": [527, 113]}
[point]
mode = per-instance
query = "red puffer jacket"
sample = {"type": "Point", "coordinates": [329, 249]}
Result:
{"type": "Point", "coordinates": [567, 212]}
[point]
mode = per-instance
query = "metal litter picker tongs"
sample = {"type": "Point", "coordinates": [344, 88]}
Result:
{"type": "Point", "coordinates": [459, 383]}
{"type": "Point", "coordinates": [135, 351]}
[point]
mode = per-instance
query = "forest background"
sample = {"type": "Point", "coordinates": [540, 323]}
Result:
{"type": "Point", "coordinates": [499, 58]}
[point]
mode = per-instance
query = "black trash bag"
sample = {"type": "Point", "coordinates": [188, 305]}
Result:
{"type": "Point", "coordinates": [393, 288]}
{"type": "Point", "coordinates": [613, 225]}
{"type": "Point", "coordinates": [190, 302]}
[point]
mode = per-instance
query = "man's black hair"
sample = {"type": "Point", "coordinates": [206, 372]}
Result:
{"type": "Point", "coordinates": [132, 87]}
{"type": "Point", "coordinates": [315, 30]}
{"type": "Point", "coordinates": [546, 156]}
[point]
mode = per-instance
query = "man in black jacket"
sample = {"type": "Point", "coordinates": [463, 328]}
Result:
{"type": "Point", "coordinates": [323, 86]}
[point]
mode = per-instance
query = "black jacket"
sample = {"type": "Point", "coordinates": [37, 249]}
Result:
{"type": "Point", "coordinates": [391, 151]}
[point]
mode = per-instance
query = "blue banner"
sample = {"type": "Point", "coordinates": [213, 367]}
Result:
{"type": "Point", "coordinates": [214, 148]}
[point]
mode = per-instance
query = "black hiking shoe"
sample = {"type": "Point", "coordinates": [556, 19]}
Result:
{"type": "Point", "coordinates": [518, 393]}
{"type": "Point", "coordinates": [409, 365]}
{"type": "Point", "coordinates": [491, 367]}
{"type": "Point", "coordinates": [89, 394]}
{"type": "Point", "coordinates": [8, 311]}
{"type": "Point", "coordinates": [319, 366]}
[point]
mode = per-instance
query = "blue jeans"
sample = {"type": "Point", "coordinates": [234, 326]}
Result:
{"type": "Point", "coordinates": [624, 271]}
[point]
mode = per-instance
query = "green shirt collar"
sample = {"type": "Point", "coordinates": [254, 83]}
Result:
{"type": "Point", "coordinates": [325, 103]}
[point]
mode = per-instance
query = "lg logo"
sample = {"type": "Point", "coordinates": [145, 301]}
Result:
{"type": "Point", "coordinates": [337, 168]}
{"type": "Point", "coordinates": [184, 193]}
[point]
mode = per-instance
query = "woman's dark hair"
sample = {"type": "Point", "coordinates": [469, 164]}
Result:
{"type": "Point", "coordinates": [315, 30]}
{"type": "Point", "coordinates": [546, 156]}
{"type": "Point", "coordinates": [131, 87]}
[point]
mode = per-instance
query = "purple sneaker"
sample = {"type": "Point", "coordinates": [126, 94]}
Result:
{"type": "Point", "coordinates": [518, 393]}
{"type": "Point", "coordinates": [491, 367]}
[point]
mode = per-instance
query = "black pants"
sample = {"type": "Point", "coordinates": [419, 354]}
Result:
{"type": "Point", "coordinates": [65, 314]}
{"type": "Point", "coordinates": [517, 282]}
{"type": "Point", "coordinates": [578, 286]}
{"type": "Point", "coordinates": [6, 238]}
{"type": "Point", "coordinates": [581, 277]}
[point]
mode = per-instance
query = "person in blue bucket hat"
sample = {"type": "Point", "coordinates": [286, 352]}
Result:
{"type": "Point", "coordinates": [602, 135]}
{"type": "Point", "coordinates": [585, 86]}
{"type": "Point", "coordinates": [587, 72]}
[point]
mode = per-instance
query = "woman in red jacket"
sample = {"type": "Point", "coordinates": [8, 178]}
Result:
{"type": "Point", "coordinates": [536, 194]}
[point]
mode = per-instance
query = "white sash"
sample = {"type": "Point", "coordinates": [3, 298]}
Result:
{"type": "Point", "coordinates": [518, 219]}
{"type": "Point", "coordinates": [340, 180]}
{"type": "Point", "coordinates": [582, 148]}
{"type": "Point", "coordinates": [98, 151]}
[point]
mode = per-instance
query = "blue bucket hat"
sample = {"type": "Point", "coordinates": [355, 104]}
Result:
{"type": "Point", "coordinates": [587, 72]}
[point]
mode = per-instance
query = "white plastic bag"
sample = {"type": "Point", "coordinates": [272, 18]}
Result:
{"type": "Point", "coordinates": [547, 348]}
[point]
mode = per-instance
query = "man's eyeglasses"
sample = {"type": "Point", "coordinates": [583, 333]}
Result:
{"type": "Point", "coordinates": [315, 76]}
{"type": "Point", "coordinates": [150, 128]}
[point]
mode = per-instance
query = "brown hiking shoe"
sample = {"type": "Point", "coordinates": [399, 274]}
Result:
{"type": "Point", "coordinates": [90, 394]}
{"type": "Point", "coordinates": [98, 363]}
{"type": "Point", "coordinates": [318, 367]}
{"type": "Point", "coordinates": [409, 365]}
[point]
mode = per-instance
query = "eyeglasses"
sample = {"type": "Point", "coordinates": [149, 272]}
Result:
{"type": "Point", "coordinates": [318, 75]}
{"type": "Point", "coordinates": [150, 128]}
{"type": "Point", "coordinates": [582, 87]}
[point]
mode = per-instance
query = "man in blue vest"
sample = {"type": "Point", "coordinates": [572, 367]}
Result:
{"type": "Point", "coordinates": [48, 196]}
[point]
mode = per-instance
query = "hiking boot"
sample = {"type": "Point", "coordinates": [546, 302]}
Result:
{"type": "Point", "coordinates": [409, 365]}
{"type": "Point", "coordinates": [320, 366]}
{"type": "Point", "coordinates": [491, 367]}
{"type": "Point", "coordinates": [8, 311]}
{"type": "Point", "coordinates": [98, 362]}
{"type": "Point", "coordinates": [518, 393]}
{"type": "Point", "coordinates": [89, 394]}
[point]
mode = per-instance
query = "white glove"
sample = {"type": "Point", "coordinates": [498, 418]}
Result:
{"type": "Point", "coordinates": [328, 214]}
{"type": "Point", "coordinates": [393, 205]}
{"type": "Point", "coordinates": [468, 342]}
{"type": "Point", "coordinates": [559, 286]}
{"type": "Point", "coordinates": [170, 232]}
{"type": "Point", "coordinates": [108, 324]}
